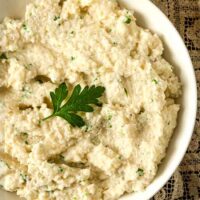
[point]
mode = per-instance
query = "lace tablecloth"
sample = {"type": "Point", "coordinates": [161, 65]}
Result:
{"type": "Point", "coordinates": [185, 183]}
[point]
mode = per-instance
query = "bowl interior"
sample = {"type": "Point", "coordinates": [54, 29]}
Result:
{"type": "Point", "coordinates": [149, 16]}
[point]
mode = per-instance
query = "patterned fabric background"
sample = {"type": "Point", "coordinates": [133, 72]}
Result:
{"type": "Point", "coordinates": [185, 183]}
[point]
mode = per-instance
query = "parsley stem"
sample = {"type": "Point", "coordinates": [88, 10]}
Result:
{"type": "Point", "coordinates": [47, 117]}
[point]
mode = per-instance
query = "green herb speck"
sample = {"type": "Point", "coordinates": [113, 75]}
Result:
{"type": "Point", "coordinates": [155, 81]}
{"type": "Point", "coordinates": [72, 58]}
{"type": "Point", "coordinates": [3, 56]}
{"type": "Point", "coordinates": [50, 191]}
{"type": "Point", "coordinates": [127, 20]}
{"type": "Point", "coordinates": [24, 134]}
{"type": "Point", "coordinates": [109, 30]}
{"type": "Point", "coordinates": [24, 177]}
{"type": "Point", "coordinates": [87, 193]}
{"type": "Point", "coordinates": [61, 169]}
{"type": "Point", "coordinates": [28, 66]}
{"type": "Point", "coordinates": [119, 157]}
{"type": "Point", "coordinates": [62, 157]}
{"type": "Point", "coordinates": [109, 117]}
{"type": "Point", "coordinates": [126, 92]}
{"type": "Point", "coordinates": [95, 140]}
{"type": "Point", "coordinates": [39, 122]}
{"type": "Point", "coordinates": [140, 172]}
{"type": "Point", "coordinates": [26, 92]}
{"type": "Point", "coordinates": [56, 18]}
{"type": "Point", "coordinates": [86, 128]}
{"type": "Point", "coordinates": [26, 142]}
{"type": "Point", "coordinates": [24, 26]}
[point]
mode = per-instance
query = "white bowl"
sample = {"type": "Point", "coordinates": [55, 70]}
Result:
{"type": "Point", "coordinates": [149, 16]}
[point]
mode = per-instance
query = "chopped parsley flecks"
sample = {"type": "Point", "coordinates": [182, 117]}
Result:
{"type": "Point", "coordinates": [140, 172]}
{"type": "Point", "coordinates": [28, 66]}
{"type": "Point", "coordinates": [87, 128]}
{"type": "Point", "coordinates": [73, 58]}
{"type": "Point", "coordinates": [7, 165]}
{"type": "Point", "coordinates": [61, 157]}
{"type": "Point", "coordinates": [4, 163]}
{"type": "Point", "coordinates": [56, 18]}
{"type": "Point", "coordinates": [39, 122]}
{"type": "Point", "coordinates": [109, 117]}
{"type": "Point", "coordinates": [72, 32]}
{"type": "Point", "coordinates": [120, 157]}
{"type": "Point", "coordinates": [3, 56]}
{"type": "Point", "coordinates": [24, 26]}
{"type": "Point", "coordinates": [26, 142]}
{"type": "Point", "coordinates": [126, 92]}
{"type": "Point", "coordinates": [24, 134]}
{"type": "Point", "coordinates": [25, 92]}
{"type": "Point", "coordinates": [61, 169]}
{"type": "Point", "coordinates": [109, 30]}
{"type": "Point", "coordinates": [23, 177]}
{"type": "Point", "coordinates": [95, 140]}
{"type": "Point", "coordinates": [127, 19]}
{"type": "Point", "coordinates": [155, 81]}
{"type": "Point", "coordinates": [87, 193]}
{"type": "Point", "coordinates": [50, 191]}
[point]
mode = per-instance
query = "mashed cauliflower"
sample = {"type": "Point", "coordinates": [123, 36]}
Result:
{"type": "Point", "coordinates": [86, 42]}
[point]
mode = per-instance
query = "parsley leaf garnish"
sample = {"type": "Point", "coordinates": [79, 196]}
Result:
{"type": "Point", "coordinates": [80, 100]}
